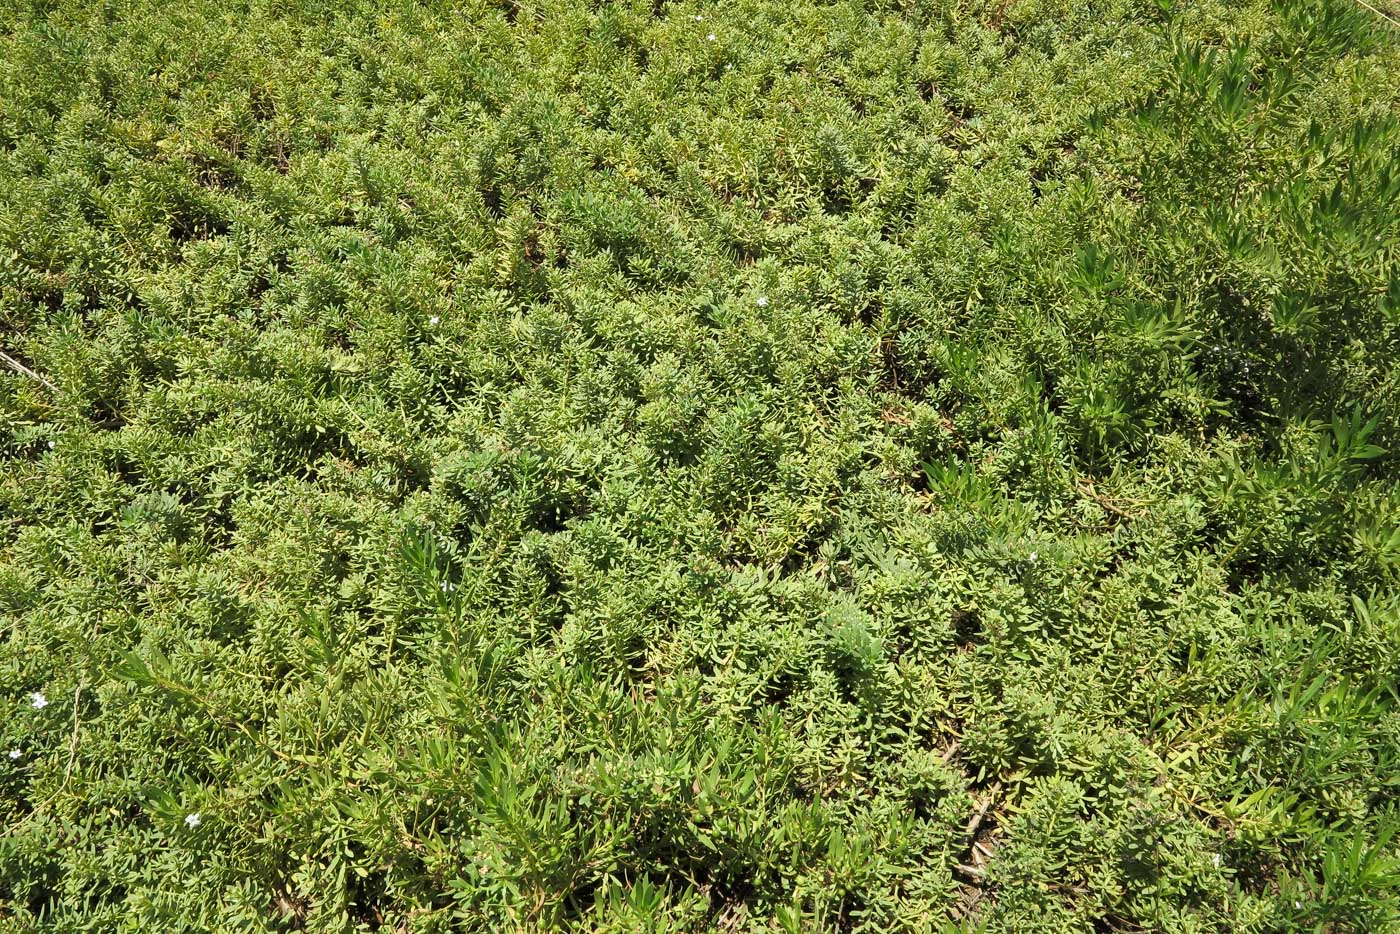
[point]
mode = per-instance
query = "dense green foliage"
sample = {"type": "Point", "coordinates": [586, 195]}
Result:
{"type": "Point", "coordinates": [647, 465]}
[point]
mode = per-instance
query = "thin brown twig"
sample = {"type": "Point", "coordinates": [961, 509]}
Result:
{"type": "Point", "coordinates": [1089, 489]}
{"type": "Point", "coordinates": [68, 769]}
{"type": "Point", "coordinates": [976, 820]}
{"type": "Point", "coordinates": [1381, 13]}
{"type": "Point", "coordinates": [23, 370]}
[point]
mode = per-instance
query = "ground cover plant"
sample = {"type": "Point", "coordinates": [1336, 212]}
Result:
{"type": "Point", "coordinates": [679, 466]}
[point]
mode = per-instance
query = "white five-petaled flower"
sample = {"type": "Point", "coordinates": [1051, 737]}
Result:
{"type": "Point", "coordinates": [763, 301]}
{"type": "Point", "coordinates": [434, 319]}
{"type": "Point", "coordinates": [38, 701]}
{"type": "Point", "coordinates": [15, 753]}
{"type": "Point", "coordinates": [711, 37]}
{"type": "Point", "coordinates": [698, 17]}
{"type": "Point", "coordinates": [50, 445]}
{"type": "Point", "coordinates": [1034, 557]}
{"type": "Point", "coordinates": [1215, 858]}
{"type": "Point", "coordinates": [192, 820]}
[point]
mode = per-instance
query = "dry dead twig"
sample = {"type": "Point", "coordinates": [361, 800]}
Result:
{"type": "Point", "coordinates": [23, 370]}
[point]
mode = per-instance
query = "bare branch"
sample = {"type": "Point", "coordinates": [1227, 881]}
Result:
{"type": "Point", "coordinates": [23, 370]}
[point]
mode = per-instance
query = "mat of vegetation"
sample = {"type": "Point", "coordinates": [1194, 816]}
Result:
{"type": "Point", "coordinates": [655, 465]}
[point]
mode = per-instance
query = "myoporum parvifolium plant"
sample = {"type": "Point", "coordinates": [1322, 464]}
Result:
{"type": "Point", "coordinates": [656, 465]}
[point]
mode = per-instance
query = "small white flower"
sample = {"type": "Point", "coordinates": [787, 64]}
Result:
{"type": "Point", "coordinates": [38, 701]}
{"type": "Point", "coordinates": [711, 37]}
{"type": "Point", "coordinates": [698, 17]}
{"type": "Point", "coordinates": [50, 445]}
{"type": "Point", "coordinates": [1034, 557]}
{"type": "Point", "coordinates": [15, 753]}
{"type": "Point", "coordinates": [763, 301]}
{"type": "Point", "coordinates": [192, 820]}
{"type": "Point", "coordinates": [1215, 859]}
{"type": "Point", "coordinates": [434, 319]}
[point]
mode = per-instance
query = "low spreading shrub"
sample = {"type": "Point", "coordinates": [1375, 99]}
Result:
{"type": "Point", "coordinates": [641, 466]}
